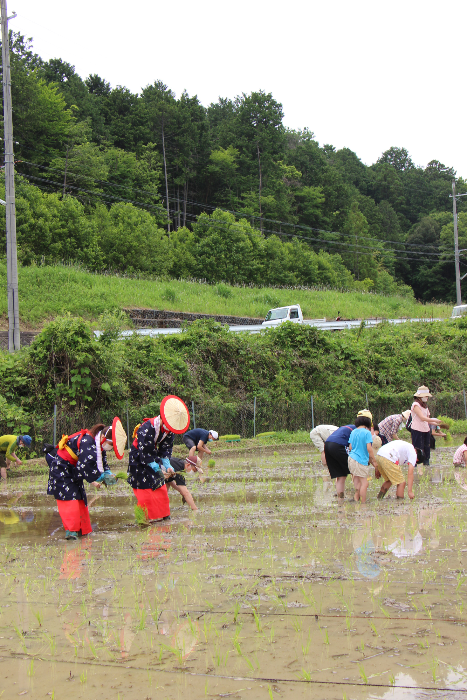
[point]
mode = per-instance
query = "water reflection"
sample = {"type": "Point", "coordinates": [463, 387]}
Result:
{"type": "Point", "coordinates": [74, 559]}
{"type": "Point", "coordinates": [407, 546]}
{"type": "Point", "coordinates": [11, 515]}
{"type": "Point", "coordinates": [157, 543]}
{"type": "Point", "coordinates": [366, 563]}
{"type": "Point", "coordinates": [324, 494]}
{"type": "Point", "coordinates": [461, 478]}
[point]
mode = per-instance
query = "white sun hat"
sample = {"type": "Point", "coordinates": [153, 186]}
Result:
{"type": "Point", "coordinates": [423, 392]}
{"type": "Point", "coordinates": [175, 414]}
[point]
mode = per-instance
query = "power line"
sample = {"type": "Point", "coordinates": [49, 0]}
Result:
{"type": "Point", "coordinates": [361, 248]}
{"type": "Point", "coordinates": [237, 213]}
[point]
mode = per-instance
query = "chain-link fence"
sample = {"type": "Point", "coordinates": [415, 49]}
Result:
{"type": "Point", "coordinates": [26, 339]}
{"type": "Point", "coordinates": [247, 418]}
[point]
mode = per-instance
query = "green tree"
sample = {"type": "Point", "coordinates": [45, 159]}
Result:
{"type": "Point", "coordinates": [260, 132]}
{"type": "Point", "coordinates": [131, 240]}
{"type": "Point", "coordinates": [398, 158]}
{"type": "Point", "coordinates": [41, 122]}
{"type": "Point", "coordinates": [222, 169]}
{"type": "Point", "coordinates": [190, 149]}
{"type": "Point", "coordinates": [360, 258]}
{"type": "Point", "coordinates": [157, 110]}
{"type": "Point", "coordinates": [226, 249]}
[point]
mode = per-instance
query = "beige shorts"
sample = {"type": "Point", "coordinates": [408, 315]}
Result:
{"type": "Point", "coordinates": [390, 471]}
{"type": "Point", "coordinates": [357, 469]}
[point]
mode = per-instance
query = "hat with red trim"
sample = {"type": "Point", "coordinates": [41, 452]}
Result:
{"type": "Point", "coordinates": [175, 414]}
{"type": "Point", "coordinates": [119, 437]}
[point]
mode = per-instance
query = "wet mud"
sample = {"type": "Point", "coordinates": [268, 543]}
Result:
{"type": "Point", "coordinates": [271, 590]}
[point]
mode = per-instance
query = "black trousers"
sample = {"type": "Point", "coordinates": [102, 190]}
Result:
{"type": "Point", "coordinates": [422, 441]}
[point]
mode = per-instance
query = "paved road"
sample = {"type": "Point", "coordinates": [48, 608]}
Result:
{"type": "Point", "coordinates": [316, 323]}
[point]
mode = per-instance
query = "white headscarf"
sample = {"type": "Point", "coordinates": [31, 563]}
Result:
{"type": "Point", "coordinates": [157, 428]}
{"type": "Point", "coordinates": [97, 440]}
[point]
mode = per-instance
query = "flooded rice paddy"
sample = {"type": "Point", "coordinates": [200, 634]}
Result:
{"type": "Point", "coordinates": [271, 590]}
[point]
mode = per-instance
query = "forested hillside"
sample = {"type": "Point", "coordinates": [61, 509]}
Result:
{"type": "Point", "coordinates": [158, 184]}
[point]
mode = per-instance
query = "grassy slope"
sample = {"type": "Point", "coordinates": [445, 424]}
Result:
{"type": "Point", "coordinates": [46, 292]}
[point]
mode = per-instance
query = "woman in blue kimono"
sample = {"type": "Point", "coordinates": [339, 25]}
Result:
{"type": "Point", "coordinates": [79, 457]}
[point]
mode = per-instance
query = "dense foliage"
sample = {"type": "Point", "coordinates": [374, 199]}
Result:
{"type": "Point", "coordinates": [142, 182]}
{"type": "Point", "coordinates": [206, 362]}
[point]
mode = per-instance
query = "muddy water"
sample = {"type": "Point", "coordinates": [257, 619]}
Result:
{"type": "Point", "coordinates": [271, 590]}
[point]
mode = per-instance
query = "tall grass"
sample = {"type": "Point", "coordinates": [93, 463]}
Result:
{"type": "Point", "coordinates": [49, 291]}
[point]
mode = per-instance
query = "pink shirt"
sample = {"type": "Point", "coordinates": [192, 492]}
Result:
{"type": "Point", "coordinates": [458, 455]}
{"type": "Point", "coordinates": [418, 424]}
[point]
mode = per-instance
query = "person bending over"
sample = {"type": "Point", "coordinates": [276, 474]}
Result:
{"type": "Point", "coordinates": [390, 425]}
{"type": "Point", "coordinates": [197, 439]}
{"type": "Point", "coordinates": [177, 480]}
{"type": "Point", "coordinates": [361, 453]}
{"type": "Point", "coordinates": [337, 457]}
{"type": "Point", "coordinates": [460, 455]}
{"type": "Point", "coordinates": [79, 457]}
{"type": "Point", "coordinates": [149, 458]}
{"type": "Point", "coordinates": [7, 444]}
{"type": "Point", "coordinates": [319, 435]}
{"type": "Point", "coordinates": [390, 457]}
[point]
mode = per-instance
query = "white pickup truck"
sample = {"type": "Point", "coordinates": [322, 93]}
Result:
{"type": "Point", "coordinates": [457, 311]}
{"type": "Point", "coordinates": [275, 317]}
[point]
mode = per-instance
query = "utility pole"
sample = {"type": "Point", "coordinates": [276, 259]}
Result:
{"type": "Point", "coordinates": [456, 246]}
{"type": "Point", "coordinates": [12, 264]}
{"type": "Point", "coordinates": [456, 243]}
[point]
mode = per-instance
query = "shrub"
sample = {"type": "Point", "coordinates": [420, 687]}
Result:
{"type": "Point", "coordinates": [222, 290]}
{"type": "Point", "coordinates": [169, 295]}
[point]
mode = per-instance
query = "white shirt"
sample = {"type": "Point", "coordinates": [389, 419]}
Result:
{"type": "Point", "coordinates": [324, 431]}
{"type": "Point", "coordinates": [399, 452]}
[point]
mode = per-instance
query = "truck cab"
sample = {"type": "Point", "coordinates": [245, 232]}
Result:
{"type": "Point", "coordinates": [275, 317]}
{"type": "Point", "coordinates": [459, 311]}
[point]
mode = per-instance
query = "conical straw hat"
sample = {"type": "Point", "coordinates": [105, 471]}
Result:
{"type": "Point", "coordinates": [119, 437]}
{"type": "Point", "coordinates": [175, 414]}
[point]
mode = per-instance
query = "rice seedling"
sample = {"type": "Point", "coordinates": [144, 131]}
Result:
{"type": "Point", "coordinates": [363, 675]}
{"type": "Point", "coordinates": [297, 624]}
{"type": "Point", "coordinates": [140, 515]}
{"type": "Point", "coordinates": [257, 622]}
{"type": "Point", "coordinates": [39, 617]}
{"type": "Point", "coordinates": [52, 643]}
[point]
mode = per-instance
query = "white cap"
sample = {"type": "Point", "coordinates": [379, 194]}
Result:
{"type": "Point", "coordinates": [214, 434]}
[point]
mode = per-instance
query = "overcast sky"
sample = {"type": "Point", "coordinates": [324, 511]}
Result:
{"type": "Point", "coordinates": [362, 75]}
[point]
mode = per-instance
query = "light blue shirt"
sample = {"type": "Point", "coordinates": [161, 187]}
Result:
{"type": "Point", "coordinates": [359, 439]}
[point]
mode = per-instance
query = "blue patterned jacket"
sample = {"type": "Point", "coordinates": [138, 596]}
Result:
{"type": "Point", "coordinates": [66, 477]}
{"type": "Point", "coordinates": [145, 450]}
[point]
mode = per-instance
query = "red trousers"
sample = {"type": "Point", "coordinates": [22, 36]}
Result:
{"type": "Point", "coordinates": [155, 503]}
{"type": "Point", "coordinates": [75, 516]}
